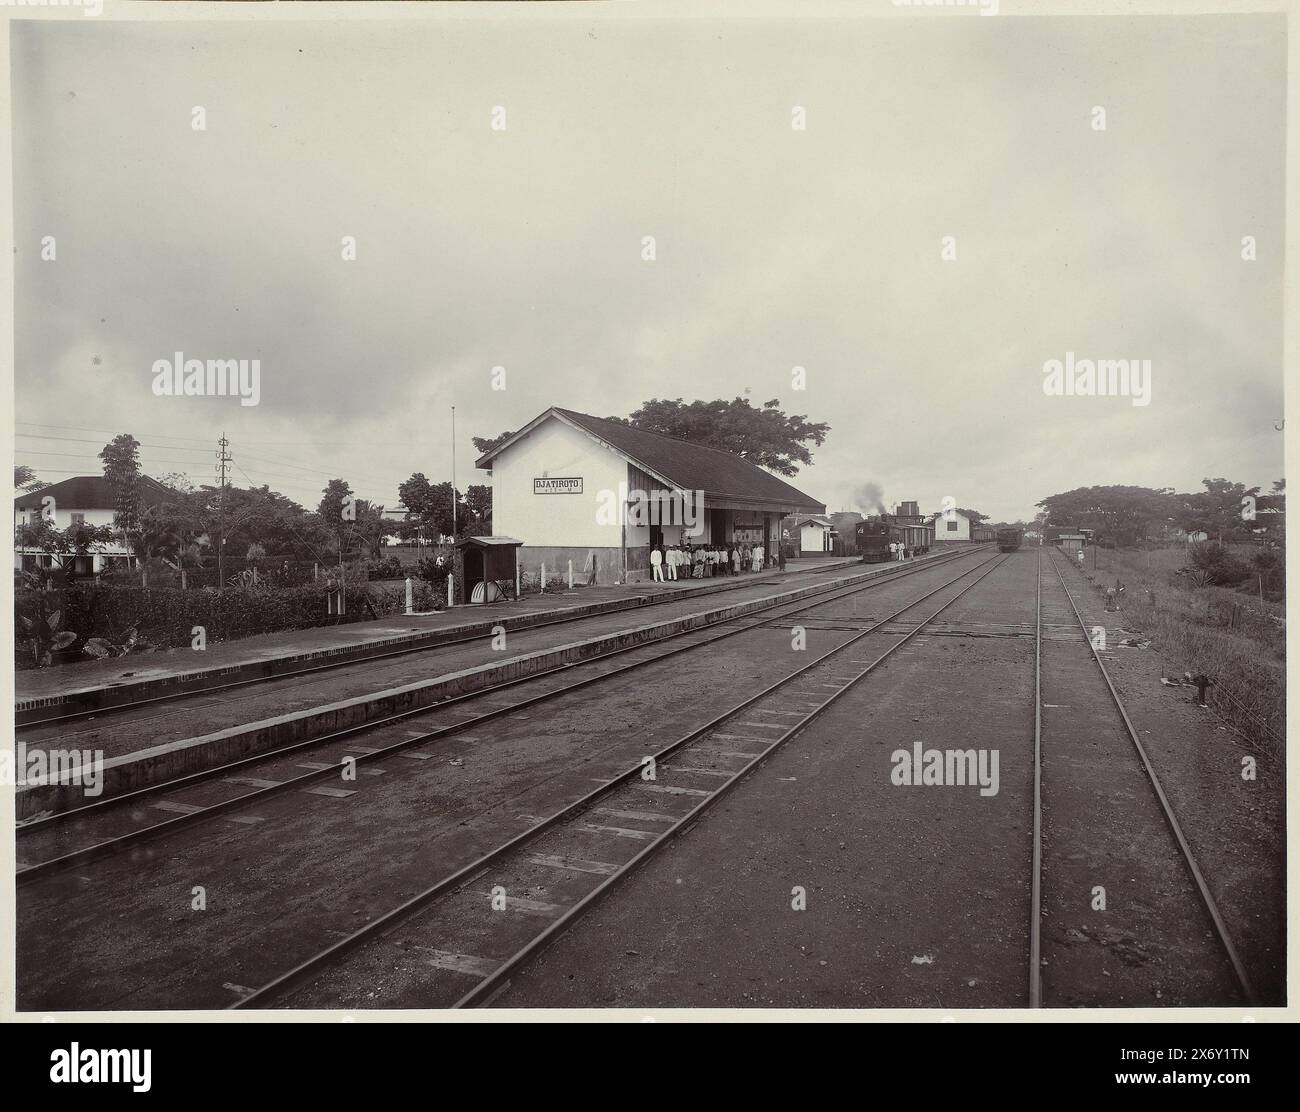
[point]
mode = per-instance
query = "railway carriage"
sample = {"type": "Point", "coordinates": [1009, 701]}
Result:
{"type": "Point", "coordinates": [1009, 540]}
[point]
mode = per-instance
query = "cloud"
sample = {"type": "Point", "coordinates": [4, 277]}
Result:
{"type": "Point", "coordinates": [775, 248]}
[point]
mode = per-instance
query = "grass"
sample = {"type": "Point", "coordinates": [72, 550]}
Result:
{"type": "Point", "coordinates": [1192, 628]}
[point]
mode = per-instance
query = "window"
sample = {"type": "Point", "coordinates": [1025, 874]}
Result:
{"type": "Point", "coordinates": [78, 519]}
{"type": "Point", "coordinates": [952, 527]}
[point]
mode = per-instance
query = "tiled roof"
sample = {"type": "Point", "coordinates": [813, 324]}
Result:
{"type": "Point", "coordinates": [682, 464]}
{"type": "Point", "coordinates": [87, 492]}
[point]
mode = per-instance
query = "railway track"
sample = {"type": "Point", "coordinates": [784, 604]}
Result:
{"type": "Point", "coordinates": [481, 921]}
{"type": "Point", "coordinates": [1090, 848]}
{"type": "Point", "coordinates": [110, 826]}
{"type": "Point", "coordinates": [31, 720]}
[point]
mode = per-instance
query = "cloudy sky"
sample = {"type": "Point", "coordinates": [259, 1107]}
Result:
{"type": "Point", "coordinates": [776, 248]}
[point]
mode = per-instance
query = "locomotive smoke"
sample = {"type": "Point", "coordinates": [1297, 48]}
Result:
{"type": "Point", "coordinates": [869, 498]}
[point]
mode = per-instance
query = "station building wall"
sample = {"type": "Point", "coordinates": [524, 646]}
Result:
{"type": "Point", "coordinates": [944, 531]}
{"type": "Point", "coordinates": [556, 528]}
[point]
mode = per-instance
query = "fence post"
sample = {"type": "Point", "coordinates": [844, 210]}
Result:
{"type": "Point", "coordinates": [315, 572]}
{"type": "Point", "coordinates": [570, 575]}
{"type": "Point", "coordinates": [184, 581]}
{"type": "Point", "coordinates": [451, 591]}
{"type": "Point", "coordinates": [518, 584]}
{"type": "Point", "coordinates": [543, 579]}
{"type": "Point", "coordinates": [410, 596]}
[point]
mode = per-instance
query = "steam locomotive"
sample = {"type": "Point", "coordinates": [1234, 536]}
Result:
{"type": "Point", "coordinates": [874, 536]}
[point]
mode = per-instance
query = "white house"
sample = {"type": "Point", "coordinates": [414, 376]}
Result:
{"type": "Point", "coordinates": [81, 500]}
{"type": "Point", "coordinates": [951, 526]}
{"type": "Point", "coordinates": [600, 493]}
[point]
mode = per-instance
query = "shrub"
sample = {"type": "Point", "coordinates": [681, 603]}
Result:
{"type": "Point", "coordinates": [390, 567]}
{"type": "Point", "coordinates": [117, 615]}
{"type": "Point", "coordinates": [428, 570]}
{"type": "Point", "coordinates": [1222, 568]}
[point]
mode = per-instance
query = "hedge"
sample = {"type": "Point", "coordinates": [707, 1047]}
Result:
{"type": "Point", "coordinates": [166, 616]}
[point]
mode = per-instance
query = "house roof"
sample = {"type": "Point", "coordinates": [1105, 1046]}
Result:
{"type": "Point", "coordinates": [88, 492]}
{"type": "Point", "coordinates": [679, 464]}
{"type": "Point", "coordinates": [485, 542]}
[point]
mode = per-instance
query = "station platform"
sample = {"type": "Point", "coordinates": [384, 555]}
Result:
{"type": "Point", "coordinates": [78, 688]}
{"type": "Point", "coordinates": [350, 677]}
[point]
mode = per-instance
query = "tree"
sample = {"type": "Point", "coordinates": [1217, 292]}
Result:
{"type": "Point", "coordinates": [62, 545]}
{"type": "Point", "coordinates": [25, 478]}
{"type": "Point", "coordinates": [121, 457]}
{"type": "Point", "coordinates": [159, 532]}
{"type": "Point", "coordinates": [478, 500]}
{"type": "Point", "coordinates": [416, 495]}
{"type": "Point", "coordinates": [262, 516]}
{"type": "Point", "coordinates": [368, 529]}
{"type": "Point", "coordinates": [1122, 514]}
{"type": "Point", "coordinates": [336, 506]}
{"type": "Point", "coordinates": [485, 444]}
{"type": "Point", "coordinates": [1217, 510]}
{"type": "Point", "coordinates": [766, 437]}
{"type": "Point", "coordinates": [177, 481]}
{"type": "Point", "coordinates": [430, 506]}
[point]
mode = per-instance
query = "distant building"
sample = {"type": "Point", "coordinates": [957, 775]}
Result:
{"type": "Point", "coordinates": [814, 534]}
{"type": "Point", "coordinates": [951, 526]}
{"type": "Point", "coordinates": [597, 492]}
{"type": "Point", "coordinates": [81, 500]}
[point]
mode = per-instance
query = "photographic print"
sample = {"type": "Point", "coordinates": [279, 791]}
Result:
{"type": "Point", "coordinates": [634, 507]}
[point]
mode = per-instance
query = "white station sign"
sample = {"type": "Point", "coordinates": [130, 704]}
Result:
{"type": "Point", "coordinates": [557, 486]}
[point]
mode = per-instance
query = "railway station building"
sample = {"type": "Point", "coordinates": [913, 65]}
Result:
{"type": "Point", "coordinates": [954, 526]}
{"type": "Point", "coordinates": [815, 535]}
{"type": "Point", "coordinates": [602, 494]}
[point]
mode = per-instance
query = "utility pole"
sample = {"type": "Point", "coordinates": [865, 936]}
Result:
{"type": "Point", "coordinates": [223, 460]}
{"type": "Point", "coordinates": [453, 477]}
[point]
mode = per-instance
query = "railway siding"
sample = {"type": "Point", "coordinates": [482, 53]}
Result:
{"type": "Point", "coordinates": [143, 767]}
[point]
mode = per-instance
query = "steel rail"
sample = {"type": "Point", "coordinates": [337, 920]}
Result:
{"type": "Point", "coordinates": [111, 846]}
{"type": "Point", "coordinates": [457, 880]}
{"type": "Point", "coordinates": [1220, 927]}
{"type": "Point", "coordinates": [313, 669]}
{"type": "Point", "coordinates": [499, 978]}
{"type": "Point", "coordinates": [1036, 885]}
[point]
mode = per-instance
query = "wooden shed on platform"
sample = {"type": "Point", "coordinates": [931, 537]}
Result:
{"type": "Point", "coordinates": [484, 568]}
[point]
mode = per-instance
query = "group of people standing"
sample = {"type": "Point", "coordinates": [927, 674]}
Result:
{"type": "Point", "coordinates": [675, 561]}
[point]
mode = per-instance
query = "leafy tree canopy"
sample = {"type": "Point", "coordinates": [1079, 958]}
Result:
{"type": "Point", "coordinates": [485, 444]}
{"type": "Point", "coordinates": [765, 436]}
{"type": "Point", "coordinates": [25, 478]}
{"type": "Point", "coordinates": [121, 457]}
